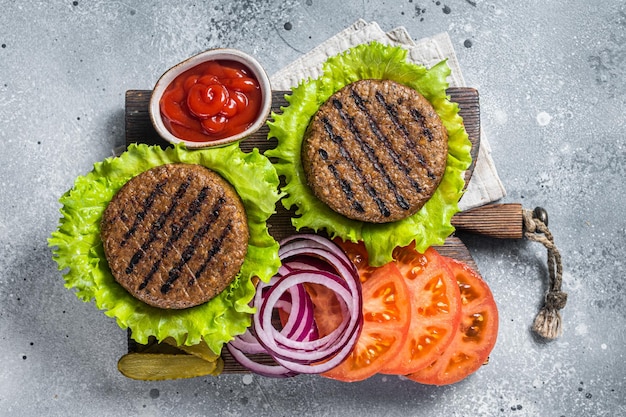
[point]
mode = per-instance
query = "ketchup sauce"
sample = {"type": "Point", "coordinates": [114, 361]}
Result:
{"type": "Point", "coordinates": [211, 101]}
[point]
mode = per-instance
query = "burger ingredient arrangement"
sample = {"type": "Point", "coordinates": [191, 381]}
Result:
{"type": "Point", "coordinates": [425, 316]}
{"type": "Point", "coordinates": [169, 242]}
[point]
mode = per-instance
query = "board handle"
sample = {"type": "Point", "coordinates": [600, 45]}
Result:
{"type": "Point", "coordinates": [501, 221]}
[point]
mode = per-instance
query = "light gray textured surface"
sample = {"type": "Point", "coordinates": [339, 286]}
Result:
{"type": "Point", "coordinates": [552, 81]}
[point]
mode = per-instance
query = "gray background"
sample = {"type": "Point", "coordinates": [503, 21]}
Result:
{"type": "Point", "coordinates": [64, 69]}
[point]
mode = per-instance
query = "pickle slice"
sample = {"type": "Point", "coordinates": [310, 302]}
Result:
{"type": "Point", "coordinates": [219, 367]}
{"type": "Point", "coordinates": [164, 366]}
{"type": "Point", "coordinates": [200, 350]}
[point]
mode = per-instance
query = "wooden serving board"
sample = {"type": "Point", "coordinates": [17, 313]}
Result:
{"type": "Point", "coordinates": [139, 129]}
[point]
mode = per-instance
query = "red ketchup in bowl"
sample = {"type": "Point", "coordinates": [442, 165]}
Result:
{"type": "Point", "coordinates": [213, 100]}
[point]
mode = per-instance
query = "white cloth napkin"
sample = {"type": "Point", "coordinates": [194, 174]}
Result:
{"type": "Point", "coordinates": [485, 185]}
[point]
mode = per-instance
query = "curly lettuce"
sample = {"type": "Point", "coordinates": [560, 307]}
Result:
{"type": "Point", "coordinates": [78, 250]}
{"type": "Point", "coordinates": [429, 226]}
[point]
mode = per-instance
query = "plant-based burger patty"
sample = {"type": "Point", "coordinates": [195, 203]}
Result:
{"type": "Point", "coordinates": [175, 236]}
{"type": "Point", "coordinates": [375, 151]}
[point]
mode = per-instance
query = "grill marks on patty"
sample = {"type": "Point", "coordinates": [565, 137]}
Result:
{"type": "Point", "coordinates": [375, 151]}
{"type": "Point", "coordinates": [415, 148]}
{"type": "Point", "coordinates": [177, 231]}
{"type": "Point", "coordinates": [370, 151]}
{"type": "Point", "coordinates": [147, 204]}
{"type": "Point", "coordinates": [154, 229]}
{"type": "Point", "coordinates": [175, 236]}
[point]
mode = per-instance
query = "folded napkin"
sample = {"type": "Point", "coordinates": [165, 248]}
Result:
{"type": "Point", "coordinates": [485, 185]}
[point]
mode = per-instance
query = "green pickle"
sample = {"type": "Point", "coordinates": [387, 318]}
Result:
{"type": "Point", "coordinates": [166, 360]}
{"type": "Point", "coordinates": [165, 366]}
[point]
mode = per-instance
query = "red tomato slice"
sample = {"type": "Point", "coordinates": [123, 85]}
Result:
{"type": "Point", "coordinates": [435, 309]}
{"type": "Point", "coordinates": [357, 253]}
{"type": "Point", "coordinates": [386, 315]}
{"type": "Point", "coordinates": [476, 334]}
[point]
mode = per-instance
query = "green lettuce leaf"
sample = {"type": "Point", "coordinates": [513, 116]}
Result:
{"type": "Point", "coordinates": [78, 250]}
{"type": "Point", "coordinates": [431, 225]}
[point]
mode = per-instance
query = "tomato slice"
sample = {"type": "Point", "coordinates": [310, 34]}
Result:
{"type": "Point", "coordinates": [435, 309]}
{"type": "Point", "coordinates": [357, 253]}
{"type": "Point", "coordinates": [386, 317]}
{"type": "Point", "coordinates": [476, 334]}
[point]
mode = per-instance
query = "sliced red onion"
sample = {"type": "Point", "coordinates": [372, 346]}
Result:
{"type": "Point", "coordinates": [296, 347]}
{"type": "Point", "coordinates": [312, 344]}
{"type": "Point", "coordinates": [299, 263]}
{"type": "Point", "coordinates": [317, 356]}
{"type": "Point", "coordinates": [298, 325]}
{"type": "Point", "coordinates": [329, 252]}
{"type": "Point", "coordinates": [344, 268]}
{"type": "Point", "coordinates": [308, 240]}
{"type": "Point", "coordinates": [273, 371]}
{"type": "Point", "coordinates": [318, 368]}
{"type": "Point", "coordinates": [247, 343]}
{"type": "Point", "coordinates": [304, 241]}
{"type": "Point", "coordinates": [284, 269]}
{"type": "Point", "coordinates": [308, 351]}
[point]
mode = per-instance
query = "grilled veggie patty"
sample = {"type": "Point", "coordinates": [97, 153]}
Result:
{"type": "Point", "coordinates": [175, 236]}
{"type": "Point", "coordinates": [375, 151]}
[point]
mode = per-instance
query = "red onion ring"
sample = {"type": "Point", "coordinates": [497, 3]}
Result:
{"type": "Point", "coordinates": [296, 347]}
{"type": "Point", "coordinates": [298, 326]}
{"type": "Point", "coordinates": [273, 371]}
{"type": "Point", "coordinates": [247, 343]}
{"type": "Point", "coordinates": [318, 368]}
{"type": "Point", "coordinates": [310, 351]}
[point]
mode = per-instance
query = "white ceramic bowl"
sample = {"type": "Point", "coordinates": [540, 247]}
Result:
{"type": "Point", "coordinates": [211, 55]}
